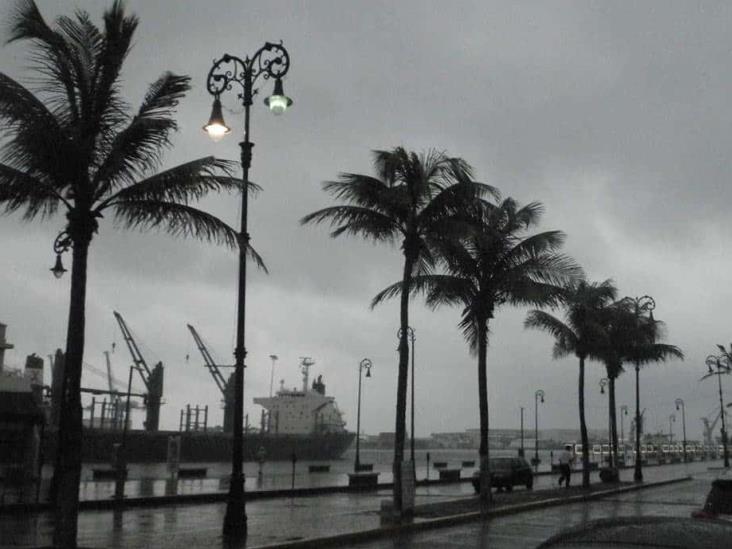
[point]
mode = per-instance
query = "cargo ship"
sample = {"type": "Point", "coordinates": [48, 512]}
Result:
{"type": "Point", "coordinates": [303, 422]}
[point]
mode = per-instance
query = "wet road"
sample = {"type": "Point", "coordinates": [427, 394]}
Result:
{"type": "Point", "coordinates": [282, 519]}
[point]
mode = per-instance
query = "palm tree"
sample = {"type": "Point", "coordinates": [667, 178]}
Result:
{"type": "Point", "coordinates": [578, 334]}
{"type": "Point", "coordinates": [415, 200]}
{"type": "Point", "coordinates": [642, 347]}
{"type": "Point", "coordinates": [72, 146]}
{"type": "Point", "coordinates": [495, 264]}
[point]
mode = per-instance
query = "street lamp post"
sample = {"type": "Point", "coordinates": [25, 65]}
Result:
{"type": "Point", "coordinates": [121, 462]}
{"type": "Point", "coordinates": [521, 450]}
{"type": "Point", "coordinates": [364, 364]}
{"type": "Point", "coordinates": [723, 367]}
{"type": "Point", "coordinates": [680, 404]}
{"type": "Point", "coordinates": [539, 394]}
{"type": "Point", "coordinates": [228, 73]}
{"type": "Point", "coordinates": [671, 421]}
{"type": "Point", "coordinates": [603, 383]}
{"type": "Point", "coordinates": [643, 304]}
{"type": "Point", "coordinates": [623, 412]}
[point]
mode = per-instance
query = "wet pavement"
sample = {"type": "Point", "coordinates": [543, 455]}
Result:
{"type": "Point", "coordinates": [284, 519]}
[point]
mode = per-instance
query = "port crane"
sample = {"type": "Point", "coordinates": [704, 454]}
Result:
{"type": "Point", "coordinates": [152, 378]}
{"type": "Point", "coordinates": [709, 428]}
{"type": "Point", "coordinates": [226, 387]}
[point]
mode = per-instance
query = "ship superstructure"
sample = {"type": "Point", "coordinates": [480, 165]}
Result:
{"type": "Point", "coordinates": [302, 412]}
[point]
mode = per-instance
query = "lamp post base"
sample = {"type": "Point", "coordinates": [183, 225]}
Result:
{"type": "Point", "coordinates": [235, 520]}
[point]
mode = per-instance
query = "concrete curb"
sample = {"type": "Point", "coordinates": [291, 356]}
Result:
{"type": "Point", "coordinates": [453, 520]}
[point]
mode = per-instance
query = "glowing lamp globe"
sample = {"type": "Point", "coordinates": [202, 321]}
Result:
{"type": "Point", "coordinates": [216, 127]}
{"type": "Point", "coordinates": [278, 102]}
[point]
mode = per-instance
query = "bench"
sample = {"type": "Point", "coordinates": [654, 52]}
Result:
{"type": "Point", "coordinates": [439, 464]}
{"type": "Point", "coordinates": [364, 480]}
{"type": "Point", "coordinates": [106, 474]}
{"type": "Point", "coordinates": [468, 463]}
{"type": "Point", "coordinates": [192, 472]}
{"type": "Point", "coordinates": [318, 468]}
{"type": "Point", "coordinates": [361, 467]}
{"type": "Point", "coordinates": [450, 474]}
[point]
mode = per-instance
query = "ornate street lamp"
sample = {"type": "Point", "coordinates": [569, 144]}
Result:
{"type": "Point", "coordinates": [233, 74]}
{"type": "Point", "coordinates": [642, 305]}
{"type": "Point", "coordinates": [60, 246]}
{"type": "Point", "coordinates": [365, 364]}
{"type": "Point", "coordinates": [680, 404]}
{"type": "Point", "coordinates": [538, 395]}
{"type": "Point", "coordinates": [722, 365]}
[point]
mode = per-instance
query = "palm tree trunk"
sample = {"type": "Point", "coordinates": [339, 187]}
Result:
{"type": "Point", "coordinates": [485, 482]}
{"type": "Point", "coordinates": [401, 404]}
{"type": "Point", "coordinates": [583, 426]}
{"type": "Point", "coordinates": [70, 430]}
{"type": "Point", "coordinates": [613, 424]}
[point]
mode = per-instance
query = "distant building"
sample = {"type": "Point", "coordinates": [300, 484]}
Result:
{"type": "Point", "coordinates": [21, 420]}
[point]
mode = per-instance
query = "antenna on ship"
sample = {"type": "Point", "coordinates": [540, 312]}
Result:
{"type": "Point", "coordinates": [305, 363]}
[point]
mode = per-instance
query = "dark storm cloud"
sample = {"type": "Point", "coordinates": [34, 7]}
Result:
{"type": "Point", "coordinates": [615, 116]}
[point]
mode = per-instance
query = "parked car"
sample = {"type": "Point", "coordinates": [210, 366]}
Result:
{"type": "Point", "coordinates": [507, 472]}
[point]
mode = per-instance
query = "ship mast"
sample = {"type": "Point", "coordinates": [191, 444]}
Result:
{"type": "Point", "coordinates": [305, 363]}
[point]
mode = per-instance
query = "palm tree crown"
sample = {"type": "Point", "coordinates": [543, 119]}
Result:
{"type": "Point", "coordinates": [71, 143]}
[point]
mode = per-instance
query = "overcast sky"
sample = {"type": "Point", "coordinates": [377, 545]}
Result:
{"type": "Point", "coordinates": [615, 115]}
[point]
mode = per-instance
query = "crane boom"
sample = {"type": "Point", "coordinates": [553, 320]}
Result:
{"type": "Point", "coordinates": [210, 364]}
{"type": "Point", "coordinates": [134, 350]}
{"type": "Point", "coordinates": [109, 372]}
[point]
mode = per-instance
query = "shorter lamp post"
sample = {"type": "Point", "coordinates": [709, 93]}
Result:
{"type": "Point", "coordinates": [538, 395]}
{"type": "Point", "coordinates": [364, 364]}
{"type": "Point", "coordinates": [623, 412]}
{"type": "Point", "coordinates": [521, 450]}
{"type": "Point", "coordinates": [121, 461]}
{"type": "Point", "coordinates": [603, 383]}
{"type": "Point", "coordinates": [680, 405]}
{"type": "Point", "coordinates": [671, 421]}
{"type": "Point", "coordinates": [723, 367]}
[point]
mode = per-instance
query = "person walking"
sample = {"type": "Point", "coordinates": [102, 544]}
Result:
{"type": "Point", "coordinates": [566, 458]}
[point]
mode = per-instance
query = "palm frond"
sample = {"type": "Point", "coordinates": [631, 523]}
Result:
{"type": "Point", "coordinates": [175, 219]}
{"type": "Point", "coordinates": [355, 220]}
{"type": "Point", "coordinates": [21, 190]}
{"type": "Point", "coordinates": [137, 149]}
{"type": "Point", "coordinates": [566, 339]}
{"type": "Point", "coordinates": [183, 183]}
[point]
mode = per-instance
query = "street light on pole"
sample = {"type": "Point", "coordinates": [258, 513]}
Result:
{"type": "Point", "coordinates": [121, 462]}
{"type": "Point", "coordinates": [521, 450]}
{"type": "Point", "coordinates": [642, 305]}
{"type": "Point", "coordinates": [603, 383]}
{"type": "Point", "coordinates": [539, 394]}
{"type": "Point", "coordinates": [364, 364]}
{"type": "Point", "coordinates": [236, 75]}
{"type": "Point", "coordinates": [723, 367]}
{"type": "Point", "coordinates": [671, 421]}
{"type": "Point", "coordinates": [680, 404]}
{"type": "Point", "coordinates": [623, 412]}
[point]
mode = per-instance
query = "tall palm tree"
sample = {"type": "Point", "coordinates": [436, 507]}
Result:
{"type": "Point", "coordinates": [642, 347]}
{"type": "Point", "coordinates": [579, 334]}
{"type": "Point", "coordinates": [415, 200]}
{"type": "Point", "coordinates": [493, 265]}
{"type": "Point", "coordinates": [71, 144]}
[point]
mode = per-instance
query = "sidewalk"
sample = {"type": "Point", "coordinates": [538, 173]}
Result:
{"type": "Point", "coordinates": [271, 521]}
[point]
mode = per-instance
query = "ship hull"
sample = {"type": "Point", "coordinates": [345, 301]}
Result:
{"type": "Point", "coordinates": [152, 447]}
